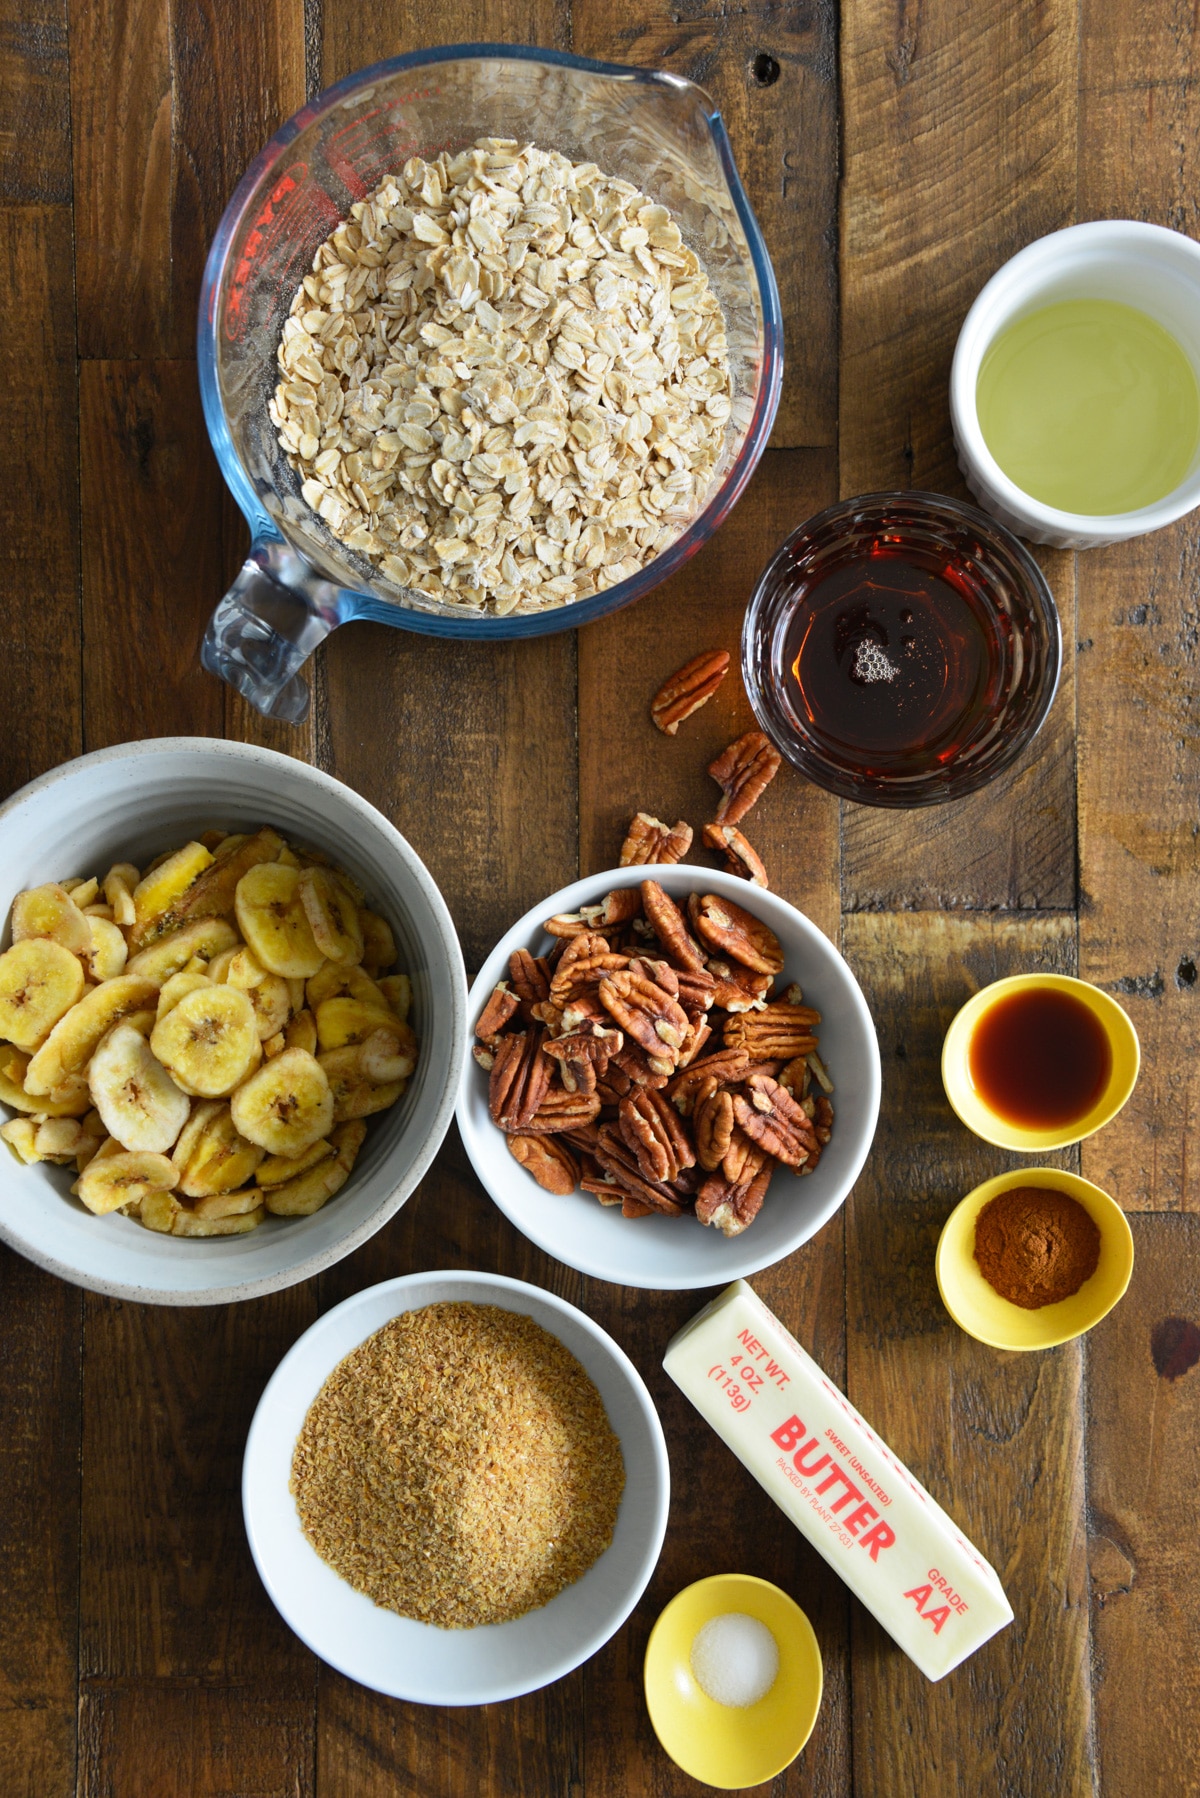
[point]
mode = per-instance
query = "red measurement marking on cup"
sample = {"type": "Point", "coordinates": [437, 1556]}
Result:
{"type": "Point", "coordinates": [296, 212]}
{"type": "Point", "coordinates": [375, 143]}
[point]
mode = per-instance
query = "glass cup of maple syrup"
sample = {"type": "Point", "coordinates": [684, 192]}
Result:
{"type": "Point", "coordinates": [901, 649]}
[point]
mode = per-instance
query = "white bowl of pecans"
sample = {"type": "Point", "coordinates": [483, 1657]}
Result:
{"type": "Point", "coordinates": [232, 1008]}
{"type": "Point", "coordinates": [674, 1080]}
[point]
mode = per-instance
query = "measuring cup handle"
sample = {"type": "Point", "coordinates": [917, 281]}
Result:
{"type": "Point", "coordinates": [266, 627]}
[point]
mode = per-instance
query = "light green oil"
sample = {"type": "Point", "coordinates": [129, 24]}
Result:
{"type": "Point", "coordinates": [1089, 406]}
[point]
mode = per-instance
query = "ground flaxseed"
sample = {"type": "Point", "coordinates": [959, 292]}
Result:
{"type": "Point", "coordinates": [458, 1467]}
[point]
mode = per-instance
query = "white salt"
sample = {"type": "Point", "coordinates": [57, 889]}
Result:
{"type": "Point", "coordinates": [735, 1659]}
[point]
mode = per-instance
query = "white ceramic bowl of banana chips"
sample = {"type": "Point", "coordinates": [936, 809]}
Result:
{"type": "Point", "coordinates": [232, 1014]}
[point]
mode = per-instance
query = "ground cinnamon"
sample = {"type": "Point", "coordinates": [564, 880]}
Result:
{"type": "Point", "coordinates": [1035, 1245]}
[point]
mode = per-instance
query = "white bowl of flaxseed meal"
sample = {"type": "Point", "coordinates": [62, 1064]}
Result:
{"type": "Point", "coordinates": [455, 1488]}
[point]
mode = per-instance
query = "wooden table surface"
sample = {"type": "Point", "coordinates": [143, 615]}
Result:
{"type": "Point", "coordinates": [896, 155]}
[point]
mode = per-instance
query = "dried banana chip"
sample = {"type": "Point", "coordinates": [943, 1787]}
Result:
{"type": "Point", "coordinates": [278, 1168]}
{"type": "Point", "coordinates": [332, 915]}
{"type": "Point", "coordinates": [397, 990]}
{"type": "Point", "coordinates": [273, 921]}
{"type": "Point", "coordinates": [140, 1104]}
{"type": "Point", "coordinates": [21, 1136]}
{"type": "Point", "coordinates": [49, 911]}
{"type": "Point", "coordinates": [228, 1204]}
{"type": "Point", "coordinates": [285, 1106]}
{"type": "Point", "coordinates": [216, 1157]}
{"type": "Point", "coordinates": [110, 1181]}
{"type": "Point", "coordinates": [301, 1032]}
{"type": "Point", "coordinates": [186, 1223]}
{"type": "Point", "coordinates": [158, 1211]}
{"type": "Point", "coordinates": [309, 1191]}
{"type": "Point", "coordinates": [379, 945]}
{"type": "Point", "coordinates": [73, 1040]}
{"type": "Point", "coordinates": [161, 890]}
{"type": "Point", "coordinates": [209, 1041]}
{"type": "Point", "coordinates": [172, 952]}
{"type": "Point", "coordinates": [389, 1055]}
{"type": "Point", "coordinates": [40, 981]}
{"type": "Point", "coordinates": [355, 1094]}
{"type": "Point", "coordinates": [345, 1020]}
{"type": "Point", "coordinates": [178, 987]}
{"type": "Point", "coordinates": [107, 955]}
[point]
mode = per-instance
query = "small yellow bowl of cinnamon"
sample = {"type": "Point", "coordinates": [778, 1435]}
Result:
{"type": "Point", "coordinates": [1033, 1258]}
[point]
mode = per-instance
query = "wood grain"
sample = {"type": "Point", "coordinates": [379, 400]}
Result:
{"type": "Point", "coordinates": [189, 1741]}
{"type": "Point", "coordinates": [998, 1439]}
{"type": "Point", "coordinates": [626, 765]}
{"type": "Point", "coordinates": [169, 104]}
{"type": "Point", "coordinates": [39, 507]}
{"type": "Point", "coordinates": [1139, 728]}
{"type": "Point", "coordinates": [959, 127]}
{"type": "Point", "coordinates": [35, 123]}
{"type": "Point", "coordinates": [1143, 1415]}
{"type": "Point", "coordinates": [39, 1545]}
{"type": "Point", "coordinates": [153, 565]}
{"type": "Point", "coordinates": [772, 71]}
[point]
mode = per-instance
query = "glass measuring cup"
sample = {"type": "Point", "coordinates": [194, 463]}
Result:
{"type": "Point", "coordinates": [656, 130]}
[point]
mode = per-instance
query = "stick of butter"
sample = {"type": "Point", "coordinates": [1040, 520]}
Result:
{"type": "Point", "coordinates": [841, 1486]}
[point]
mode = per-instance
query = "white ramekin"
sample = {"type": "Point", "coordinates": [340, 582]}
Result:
{"type": "Point", "coordinates": [1146, 266]}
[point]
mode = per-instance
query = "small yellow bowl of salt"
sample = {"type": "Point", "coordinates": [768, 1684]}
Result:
{"type": "Point", "coordinates": [733, 1680]}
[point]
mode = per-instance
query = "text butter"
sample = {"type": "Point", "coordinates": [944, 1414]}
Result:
{"type": "Point", "coordinates": [858, 1505]}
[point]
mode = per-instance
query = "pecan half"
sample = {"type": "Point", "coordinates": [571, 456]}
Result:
{"type": "Point", "coordinates": [740, 856]}
{"type": "Point", "coordinates": [608, 1192]}
{"type": "Point", "coordinates": [618, 1160]}
{"type": "Point", "coordinates": [649, 967]}
{"type": "Point", "coordinates": [530, 976]}
{"type": "Point", "coordinates": [771, 1117]}
{"type": "Point", "coordinates": [776, 1033]}
{"type": "Point", "coordinates": [823, 1119]}
{"type": "Point", "coordinates": [585, 960]}
{"type": "Point", "coordinates": [519, 1079]}
{"type": "Point", "coordinates": [649, 840]}
{"type": "Point", "coordinates": [502, 1004]}
{"type": "Point", "coordinates": [616, 908]}
{"type": "Point", "coordinates": [698, 1034]}
{"type": "Point", "coordinates": [670, 929]}
{"type": "Point", "coordinates": [743, 772]}
{"type": "Point", "coordinates": [649, 1015]}
{"type": "Point", "coordinates": [583, 1057]}
{"type": "Point", "coordinates": [738, 988]}
{"type": "Point", "coordinates": [561, 1110]}
{"type": "Point", "coordinates": [633, 1066]}
{"type": "Point", "coordinates": [742, 936]}
{"type": "Point", "coordinates": [484, 1056]}
{"type": "Point", "coordinates": [727, 1067]}
{"type": "Point", "coordinates": [688, 689]}
{"type": "Point", "coordinates": [732, 1207]}
{"type": "Point", "coordinates": [712, 1122]}
{"type": "Point", "coordinates": [652, 1130]}
{"type": "Point", "coordinates": [552, 1166]}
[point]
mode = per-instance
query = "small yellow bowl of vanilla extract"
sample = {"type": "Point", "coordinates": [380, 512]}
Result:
{"type": "Point", "coordinates": [1075, 391]}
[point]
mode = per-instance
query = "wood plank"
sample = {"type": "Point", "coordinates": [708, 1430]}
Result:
{"type": "Point", "coordinates": [121, 146]}
{"type": "Point", "coordinates": [960, 137]}
{"type": "Point", "coordinates": [153, 565]}
{"type": "Point", "coordinates": [168, 1589]}
{"type": "Point", "coordinates": [190, 1741]}
{"type": "Point", "coordinates": [170, 102]}
{"type": "Point", "coordinates": [772, 71]}
{"type": "Point", "coordinates": [626, 765]}
{"type": "Point", "coordinates": [353, 36]}
{"type": "Point", "coordinates": [1139, 746]}
{"type": "Point", "coordinates": [1143, 1417]}
{"type": "Point", "coordinates": [998, 1439]}
{"type": "Point", "coordinates": [39, 1546]}
{"type": "Point", "coordinates": [39, 511]}
{"type": "Point", "coordinates": [40, 1318]}
{"type": "Point", "coordinates": [35, 125]}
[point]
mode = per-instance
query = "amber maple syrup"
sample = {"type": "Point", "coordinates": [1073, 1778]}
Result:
{"type": "Point", "coordinates": [1040, 1058]}
{"type": "Point", "coordinates": [891, 659]}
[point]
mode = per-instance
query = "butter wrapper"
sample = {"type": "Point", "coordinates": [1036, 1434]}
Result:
{"type": "Point", "coordinates": [841, 1486]}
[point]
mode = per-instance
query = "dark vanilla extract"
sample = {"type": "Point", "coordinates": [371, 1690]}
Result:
{"type": "Point", "coordinates": [1040, 1058]}
{"type": "Point", "coordinates": [892, 660]}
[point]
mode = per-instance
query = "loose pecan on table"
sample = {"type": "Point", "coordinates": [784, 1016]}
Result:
{"type": "Point", "coordinates": [743, 772]}
{"type": "Point", "coordinates": [649, 840]}
{"type": "Point", "coordinates": [688, 689]}
{"type": "Point", "coordinates": [741, 857]}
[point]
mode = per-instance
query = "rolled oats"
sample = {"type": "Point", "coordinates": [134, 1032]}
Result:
{"type": "Point", "coordinates": [505, 381]}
